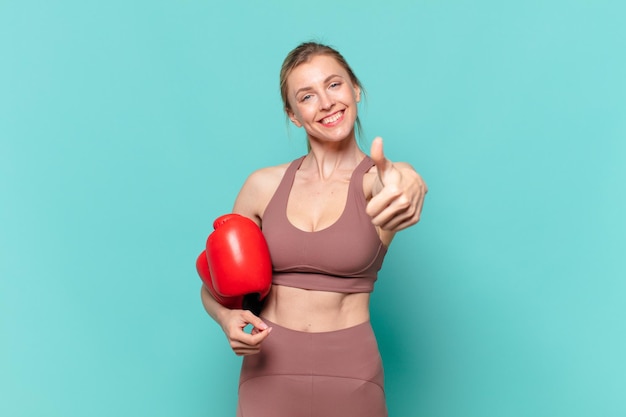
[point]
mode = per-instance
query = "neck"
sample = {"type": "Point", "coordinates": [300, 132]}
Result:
{"type": "Point", "coordinates": [327, 158]}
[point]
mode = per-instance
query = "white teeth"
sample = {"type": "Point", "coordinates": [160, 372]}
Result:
{"type": "Point", "coordinates": [333, 118]}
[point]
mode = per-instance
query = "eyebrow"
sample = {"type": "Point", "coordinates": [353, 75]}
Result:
{"type": "Point", "coordinates": [330, 77]}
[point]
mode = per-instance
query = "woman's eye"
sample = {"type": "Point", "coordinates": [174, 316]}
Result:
{"type": "Point", "coordinates": [335, 84]}
{"type": "Point", "coordinates": [306, 98]}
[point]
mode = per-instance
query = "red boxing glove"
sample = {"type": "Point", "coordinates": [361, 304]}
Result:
{"type": "Point", "coordinates": [239, 263]}
{"type": "Point", "coordinates": [202, 266]}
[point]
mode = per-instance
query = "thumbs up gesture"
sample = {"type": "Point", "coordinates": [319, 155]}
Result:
{"type": "Point", "coordinates": [397, 193]}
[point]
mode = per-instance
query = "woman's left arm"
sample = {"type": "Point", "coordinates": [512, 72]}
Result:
{"type": "Point", "coordinates": [397, 193]}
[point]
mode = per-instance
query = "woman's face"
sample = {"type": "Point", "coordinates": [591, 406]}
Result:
{"type": "Point", "coordinates": [323, 99]}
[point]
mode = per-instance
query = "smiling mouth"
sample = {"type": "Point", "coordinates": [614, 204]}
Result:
{"type": "Point", "coordinates": [332, 119]}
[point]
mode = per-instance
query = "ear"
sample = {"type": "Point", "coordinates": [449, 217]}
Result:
{"type": "Point", "coordinates": [357, 93]}
{"type": "Point", "coordinates": [293, 118]}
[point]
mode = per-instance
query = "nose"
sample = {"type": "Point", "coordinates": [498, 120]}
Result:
{"type": "Point", "coordinates": [326, 101]}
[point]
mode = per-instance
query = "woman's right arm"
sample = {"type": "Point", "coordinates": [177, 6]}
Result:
{"type": "Point", "coordinates": [251, 201]}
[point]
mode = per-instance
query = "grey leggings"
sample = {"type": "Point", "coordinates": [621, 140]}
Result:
{"type": "Point", "coordinates": [327, 374]}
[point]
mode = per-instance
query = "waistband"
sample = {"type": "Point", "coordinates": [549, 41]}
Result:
{"type": "Point", "coordinates": [346, 353]}
{"type": "Point", "coordinates": [357, 328]}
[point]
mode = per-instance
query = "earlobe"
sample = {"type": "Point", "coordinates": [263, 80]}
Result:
{"type": "Point", "coordinates": [293, 118]}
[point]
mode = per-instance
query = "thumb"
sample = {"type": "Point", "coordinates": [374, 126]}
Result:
{"type": "Point", "coordinates": [257, 322]}
{"type": "Point", "coordinates": [378, 156]}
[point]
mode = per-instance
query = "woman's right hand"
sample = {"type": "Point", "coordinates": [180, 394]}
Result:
{"type": "Point", "coordinates": [234, 323]}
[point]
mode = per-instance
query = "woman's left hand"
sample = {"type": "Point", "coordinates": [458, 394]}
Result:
{"type": "Point", "coordinates": [398, 192]}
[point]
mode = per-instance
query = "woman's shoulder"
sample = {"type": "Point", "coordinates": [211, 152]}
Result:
{"type": "Point", "coordinates": [266, 177]}
{"type": "Point", "coordinates": [258, 190]}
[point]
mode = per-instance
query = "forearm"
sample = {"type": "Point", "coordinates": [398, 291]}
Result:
{"type": "Point", "coordinates": [212, 307]}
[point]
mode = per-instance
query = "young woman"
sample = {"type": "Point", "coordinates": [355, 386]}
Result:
{"type": "Point", "coordinates": [328, 218]}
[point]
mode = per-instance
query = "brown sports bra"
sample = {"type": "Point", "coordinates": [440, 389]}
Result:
{"type": "Point", "coordinates": [344, 257]}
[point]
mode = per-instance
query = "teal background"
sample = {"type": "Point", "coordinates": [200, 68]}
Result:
{"type": "Point", "coordinates": [127, 126]}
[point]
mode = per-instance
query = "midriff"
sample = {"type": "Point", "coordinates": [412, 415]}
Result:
{"type": "Point", "coordinates": [315, 311]}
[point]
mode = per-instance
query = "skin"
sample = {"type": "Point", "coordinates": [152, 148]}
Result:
{"type": "Point", "coordinates": [323, 101]}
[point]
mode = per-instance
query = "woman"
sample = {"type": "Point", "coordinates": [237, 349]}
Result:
{"type": "Point", "coordinates": [328, 218]}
